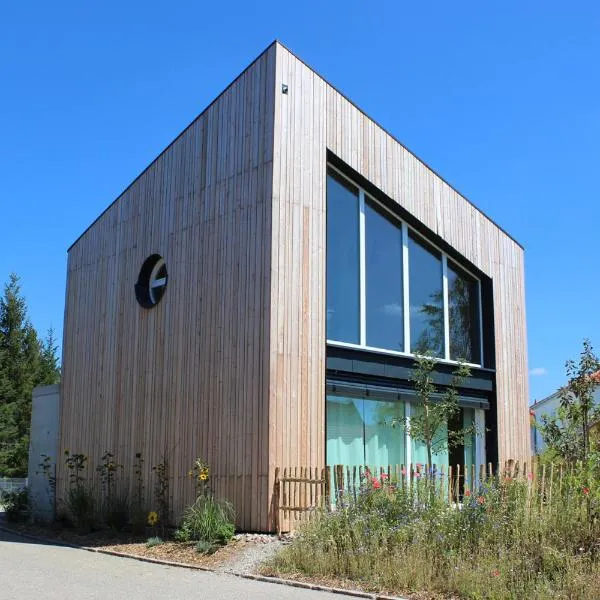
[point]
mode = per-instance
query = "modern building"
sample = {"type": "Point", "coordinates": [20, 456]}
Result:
{"type": "Point", "coordinates": [257, 295]}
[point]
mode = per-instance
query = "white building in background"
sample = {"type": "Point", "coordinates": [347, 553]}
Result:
{"type": "Point", "coordinates": [547, 406]}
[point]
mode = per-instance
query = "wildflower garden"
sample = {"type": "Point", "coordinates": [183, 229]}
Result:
{"type": "Point", "coordinates": [515, 534]}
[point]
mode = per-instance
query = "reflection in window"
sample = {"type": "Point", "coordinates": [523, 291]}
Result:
{"type": "Point", "coordinates": [426, 298]}
{"type": "Point", "coordinates": [377, 294]}
{"type": "Point", "coordinates": [383, 258]}
{"type": "Point", "coordinates": [463, 309]}
{"type": "Point", "coordinates": [345, 431]}
{"type": "Point", "coordinates": [343, 293]}
{"type": "Point", "coordinates": [361, 432]}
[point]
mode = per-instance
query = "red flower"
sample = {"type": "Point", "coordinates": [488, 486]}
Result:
{"type": "Point", "coordinates": [467, 493]}
{"type": "Point", "coordinates": [586, 490]}
{"type": "Point", "coordinates": [403, 471]}
{"type": "Point", "coordinates": [480, 500]}
{"type": "Point", "coordinates": [376, 484]}
{"type": "Point", "coordinates": [530, 475]}
{"type": "Point", "coordinates": [495, 573]}
{"type": "Point", "coordinates": [384, 476]}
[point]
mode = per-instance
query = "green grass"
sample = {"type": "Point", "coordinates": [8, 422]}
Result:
{"type": "Point", "coordinates": [208, 520]}
{"type": "Point", "coordinates": [154, 541]}
{"type": "Point", "coordinates": [508, 540]}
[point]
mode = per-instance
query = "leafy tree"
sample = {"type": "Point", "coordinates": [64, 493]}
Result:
{"type": "Point", "coordinates": [567, 434]}
{"type": "Point", "coordinates": [25, 362]}
{"type": "Point", "coordinates": [427, 423]}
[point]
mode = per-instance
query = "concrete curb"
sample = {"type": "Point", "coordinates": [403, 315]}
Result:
{"type": "Point", "coordinates": [167, 563]}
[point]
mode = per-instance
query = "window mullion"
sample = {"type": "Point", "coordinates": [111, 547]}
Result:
{"type": "Point", "coordinates": [480, 315]}
{"type": "Point", "coordinates": [362, 273]}
{"type": "Point", "coordinates": [408, 441]}
{"type": "Point", "coordinates": [405, 288]}
{"type": "Point", "coordinates": [446, 307]}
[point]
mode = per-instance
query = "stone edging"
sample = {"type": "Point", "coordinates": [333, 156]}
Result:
{"type": "Point", "coordinates": [157, 561]}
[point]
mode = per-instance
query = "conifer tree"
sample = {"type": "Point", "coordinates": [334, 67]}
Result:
{"type": "Point", "coordinates": [24, 363]}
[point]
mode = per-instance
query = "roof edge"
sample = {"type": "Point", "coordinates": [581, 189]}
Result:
{"type": "Point", "coordinates": [276, 42]}
{"type": "Point", "coordinates": [401, 144]}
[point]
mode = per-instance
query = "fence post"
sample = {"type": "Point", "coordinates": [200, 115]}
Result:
{"type": "Point", "coordinates": [327, 487]}
{"type": "Point", "coordinates": [339, 472]}
{"type": "Point", "coordinates": [277, 492]}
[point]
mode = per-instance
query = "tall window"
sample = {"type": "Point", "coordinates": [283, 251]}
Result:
{"type": "Point", "coordinates": [383, 265]}
{"type": "Point", "coordinates": [390, 289]}
{"type": "Point", "coordinates": [343, 293]}
{"type": "Point", "coordinates": [426, 298]}
{"type": "Point", "coordinates": [463, 308]}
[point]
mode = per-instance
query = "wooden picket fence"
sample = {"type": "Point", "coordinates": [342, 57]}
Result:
{"type": "Point", "coordinates": [301, 492]}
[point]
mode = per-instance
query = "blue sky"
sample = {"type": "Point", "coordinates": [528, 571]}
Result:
{"type": "Point", "coordinates": [503, 100]}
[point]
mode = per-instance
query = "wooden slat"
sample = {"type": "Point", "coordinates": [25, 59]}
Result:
{"type": "Point", "coordinates": [189, 377]}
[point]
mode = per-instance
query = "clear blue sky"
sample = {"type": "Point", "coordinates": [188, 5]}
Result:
{"type": "Point", "coordinates": [503, 101]}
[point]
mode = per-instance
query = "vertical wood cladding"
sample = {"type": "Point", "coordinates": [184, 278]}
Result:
{"type": "Point", "coordinates": [230, 365]}
{"type": "Point", "coordinates": [309, 120]}
{"type": "Point", "coordinates": [189, 376]}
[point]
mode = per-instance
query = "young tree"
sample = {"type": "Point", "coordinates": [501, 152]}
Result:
{"type": "Point", "coordinates": [24, 363]}
{"type": "Point", "coordinates": [432, 415]}
{"type": "Point", "coordinates": [567, 434]}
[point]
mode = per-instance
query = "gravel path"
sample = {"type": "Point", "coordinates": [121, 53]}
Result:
{"type": "Point", "coordinates": [260, 549]}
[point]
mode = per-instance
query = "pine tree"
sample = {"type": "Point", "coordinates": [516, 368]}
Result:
{"type": "Point", "coordinates": [24, 363]}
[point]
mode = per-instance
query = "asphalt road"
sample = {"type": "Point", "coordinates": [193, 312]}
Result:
{"type": "Point", "coordinates": [30, 570]}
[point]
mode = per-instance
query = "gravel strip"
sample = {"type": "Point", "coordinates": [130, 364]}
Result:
{"type": "Point", "coordinates": [258, 549]}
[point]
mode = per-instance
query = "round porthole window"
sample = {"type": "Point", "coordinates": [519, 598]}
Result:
{"type": "Point", "coordinates": [152, 281]}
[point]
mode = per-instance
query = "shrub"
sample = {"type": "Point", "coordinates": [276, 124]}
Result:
{"type": "Point", "coordinates": [80, 506]}
{"type": "Point", "coordinates": [16, 504]}
{"type": "Point", "coordinates": [207, 520]}
{"type": "Point", "coordinates": [117, 510]}
{"type": "Point", "coordinates": [204, 547]}
{"type": "Point", "coordinates": [154, 541]}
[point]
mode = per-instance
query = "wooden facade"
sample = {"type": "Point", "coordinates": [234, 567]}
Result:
{"type": "Point", "coordinates": [230, 365]}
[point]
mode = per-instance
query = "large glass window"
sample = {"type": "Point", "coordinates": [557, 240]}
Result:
{"type": "Point", "coordinates": [366, 428]}
{"type": "Point", "coordinates": [373, 263]}
{"type": "Point", "coordinates": [439, 445]}
{"type": "Point", "coordinates": [343, 288]}
{"type": "Point", "coordinates": [364, 432]}
{"type": "Point", "coordinates": [345, 431]}
{"type": "Point", "coordinates": [383, 265]}
{"type": "Point", "coordinates": [463, 309]}
{"type": "Point", "coordinates": [426, 298]}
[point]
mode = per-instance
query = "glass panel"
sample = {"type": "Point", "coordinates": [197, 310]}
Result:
{"type": "Point", "coordinates": [468, 421]}
{"type": "Point", "coordinates": [463, 309]}
{"type": "Point", "coordinates": [384, 433]}
{"type": "Point", "coordinates": [383, 259]}
{"type": "Point", "coordinates": [343, 315]}
{"type": "Point", "coordinates": [345, 431]}
{"type": "Point", "coordinates": [426, 310]}
{"type": "Point", "coordinates": [419, 449]}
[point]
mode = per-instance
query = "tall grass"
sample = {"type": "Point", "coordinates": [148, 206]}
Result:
{"type": "Point", "coordinates": [507, 539]}
{"type": "Point", "coordinates": [208, 520]}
